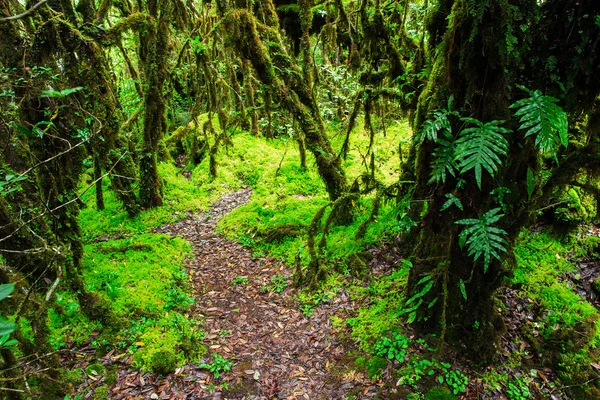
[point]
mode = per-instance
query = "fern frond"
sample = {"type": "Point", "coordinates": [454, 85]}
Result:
{"type": "Point", "coordinates": [452, 201]}
{"type": "Point", "coordinates": [431, 127]}
{"type": "Point", "coordinates": [542, 118]}
{"type": "Point", "coordinates": [482, 238]}
{"type": "Point", "coordinates": [439, 123]}
{"type": "Point", "coordinates": [443, 158]}
{"type": "Point", "coordinates": [480, 147]}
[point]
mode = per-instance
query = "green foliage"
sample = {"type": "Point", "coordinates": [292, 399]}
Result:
{"type": "Point", "coordinates": [278, 284]}
{"type": "Point", "coordinates": [517, 389]}
{"type": "Point", "coordinates": [444, 158]}
{"type": "Point", "coordinates": [439, 393]}
{"type": "Point", "coordinates": [482, 238]}
{"type": "Point", "coordinates": [394, 347]}
{"type": "Point", "coordinates": [10, 184]}
{"type": "Point", "coordinates": [6, 327]}
{"type": "Point", "coordinates": [239, 280]}
{"type": "Point", "coordinates": [415, 371]}
{"type": "Point", "coordinates": [432, 127]}
{"type": "Point", "coordinates": [412, 304]}
{"type": "Point", "coordinates": [452, 201]}
{"type": "Point", "coordinates": [480, 147]}
{"type": "Point", "coordinates": [456, 380]}
{"type": "Point", "coordinates": [6, 343]}
{"type": "Point", "coordinates": [218, 365]}
{"type": "Point", "coordinates": [543, 119]}
{"type": "Point", "coordinates": [439, 123]}
{"type": "Point", "coordinates": [163, 362]}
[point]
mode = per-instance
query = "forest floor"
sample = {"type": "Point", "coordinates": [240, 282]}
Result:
{"type": "Point", "coordinates": [282, 342]}
{"type": "Point", "coordinates": [277, 351]}
{"type": "Point", "coordinates": [254, 322]}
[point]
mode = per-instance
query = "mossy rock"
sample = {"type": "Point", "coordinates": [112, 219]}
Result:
{"type": "Point", "coordinates": [439, 393]}
{"type": "Point", "coordinates": [278, 233]}
{"type": "Point", "coordinates": [375, 366]}
{"type": "Point", "coordinates": [163, 362]}
{"type": "Point", "coordinates": [101, 393]}
{"type": "Point", "coordinates": [596, 285]}
{"type": "Point", "coordinates": [95, 369]}
{"type": "Point", "coordinates": [111, 376]}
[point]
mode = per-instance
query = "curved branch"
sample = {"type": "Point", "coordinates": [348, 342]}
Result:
{"type": "Point", "coordinates": [24, 14]}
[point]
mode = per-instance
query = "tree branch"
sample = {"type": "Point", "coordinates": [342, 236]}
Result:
{"type": "Point", "coordinates": [24, 14]}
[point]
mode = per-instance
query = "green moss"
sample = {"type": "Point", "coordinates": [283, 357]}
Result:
{"type": "Point", "coordinates": [375, 366]}
{"type": "Point", "coordinates": [541, 260]}
{"type": "Point", "coordinates": [163, 362]}
{"type": "Point", "coordinates": [111, 376]}
{"type": "Point", "coordinates": [95, 369]}
{"type": "Point", "coordinates": [439, 393]}
{"type": "Point", "coordinates": [571, 324]}
{"type": "Point", "coordinates": [136, 273]}
{"type": "Point", "coordinates": [139, 274]}
{"type": "Point", "coordinates": [101, 393]}
{"type": "Point", "coordinates": [380, 315]}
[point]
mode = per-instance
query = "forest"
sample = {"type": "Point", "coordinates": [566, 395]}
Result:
{"type": "Point", "coordinates": [299, 199]}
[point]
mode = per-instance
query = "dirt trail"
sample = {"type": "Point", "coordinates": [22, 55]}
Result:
{"type": "Point", "coordinates": [277, 351]}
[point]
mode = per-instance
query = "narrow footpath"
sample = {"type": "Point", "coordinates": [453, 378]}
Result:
{"type": "Point", "coordinates": [276, 350]}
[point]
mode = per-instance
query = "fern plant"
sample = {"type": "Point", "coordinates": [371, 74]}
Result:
{"type": "Point", "coordinates": [542, 118]}
{"type": "Point", "coordinates": [480, 147]}
{"type": "Point", "coordinates": [439, 123]}
{"type": "Point", "coordinates": [443, 158]}
{"type": "Point", "coordinates": [482, 238]}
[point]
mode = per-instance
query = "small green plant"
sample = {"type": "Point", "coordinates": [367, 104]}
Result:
{"type": "Point", "coordinates": [307, 309]}
{"type": "Point", "coordinates": [178, 300]}
{"type": "Point", "coordinates": [224, 332]}
{"type": "Point", "coordinates": [6, 328]}
{"type": "Point", "coordinates": [219, 364]}
{"type": "Point", "coordinates": [7, 344]}
{"type": "Point", "coordinates": [456, 380]}
{"type": "Point", "coordinates": [415, 371]}
{"type": "Point", "coordinates": [278, 284]}
{"type": "Point", "coordinates": [239, 280]}
{"type": "Point", "coordinates": [393, 348]}
{"type": "Point", "coordinates": [518, 389]}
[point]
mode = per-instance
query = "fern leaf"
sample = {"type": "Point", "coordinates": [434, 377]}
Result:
{"type": "Point", "coordinates": [443, 159]}
{"type": "Point", "coordinates": [452, 201]}
{"type": "Point", "coordinates": [542, 118]}
{"type": "Point", "coordinates": [431, 127]}
{"type": "Point", "coordinates": [480, 147]}
{"type": "Point", "coordinates": [482, 238]}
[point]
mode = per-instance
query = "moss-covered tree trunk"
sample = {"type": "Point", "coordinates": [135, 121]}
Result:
{"type": "Point", "coordinates": [477, 62]}
{"type": "Point", "coordinates": [154, 53]}
{"type": "Point", "coordinates": [292, 91]}
{"type": "Point", "coordinates": [470, 65]}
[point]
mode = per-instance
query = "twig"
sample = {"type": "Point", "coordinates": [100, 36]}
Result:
{"type": "Point", "coordinates": [55, 284]}
{"type": "Point", "coordinates": [23, 15]}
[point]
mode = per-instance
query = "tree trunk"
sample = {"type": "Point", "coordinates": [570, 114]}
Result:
{"type": "Point", "coordinates": [154, 55]}
{"type": "Point", "coordinates": [468, 64]}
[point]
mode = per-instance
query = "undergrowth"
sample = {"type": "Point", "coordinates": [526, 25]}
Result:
{"type": "Point", "coordinates": [140, 273]}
